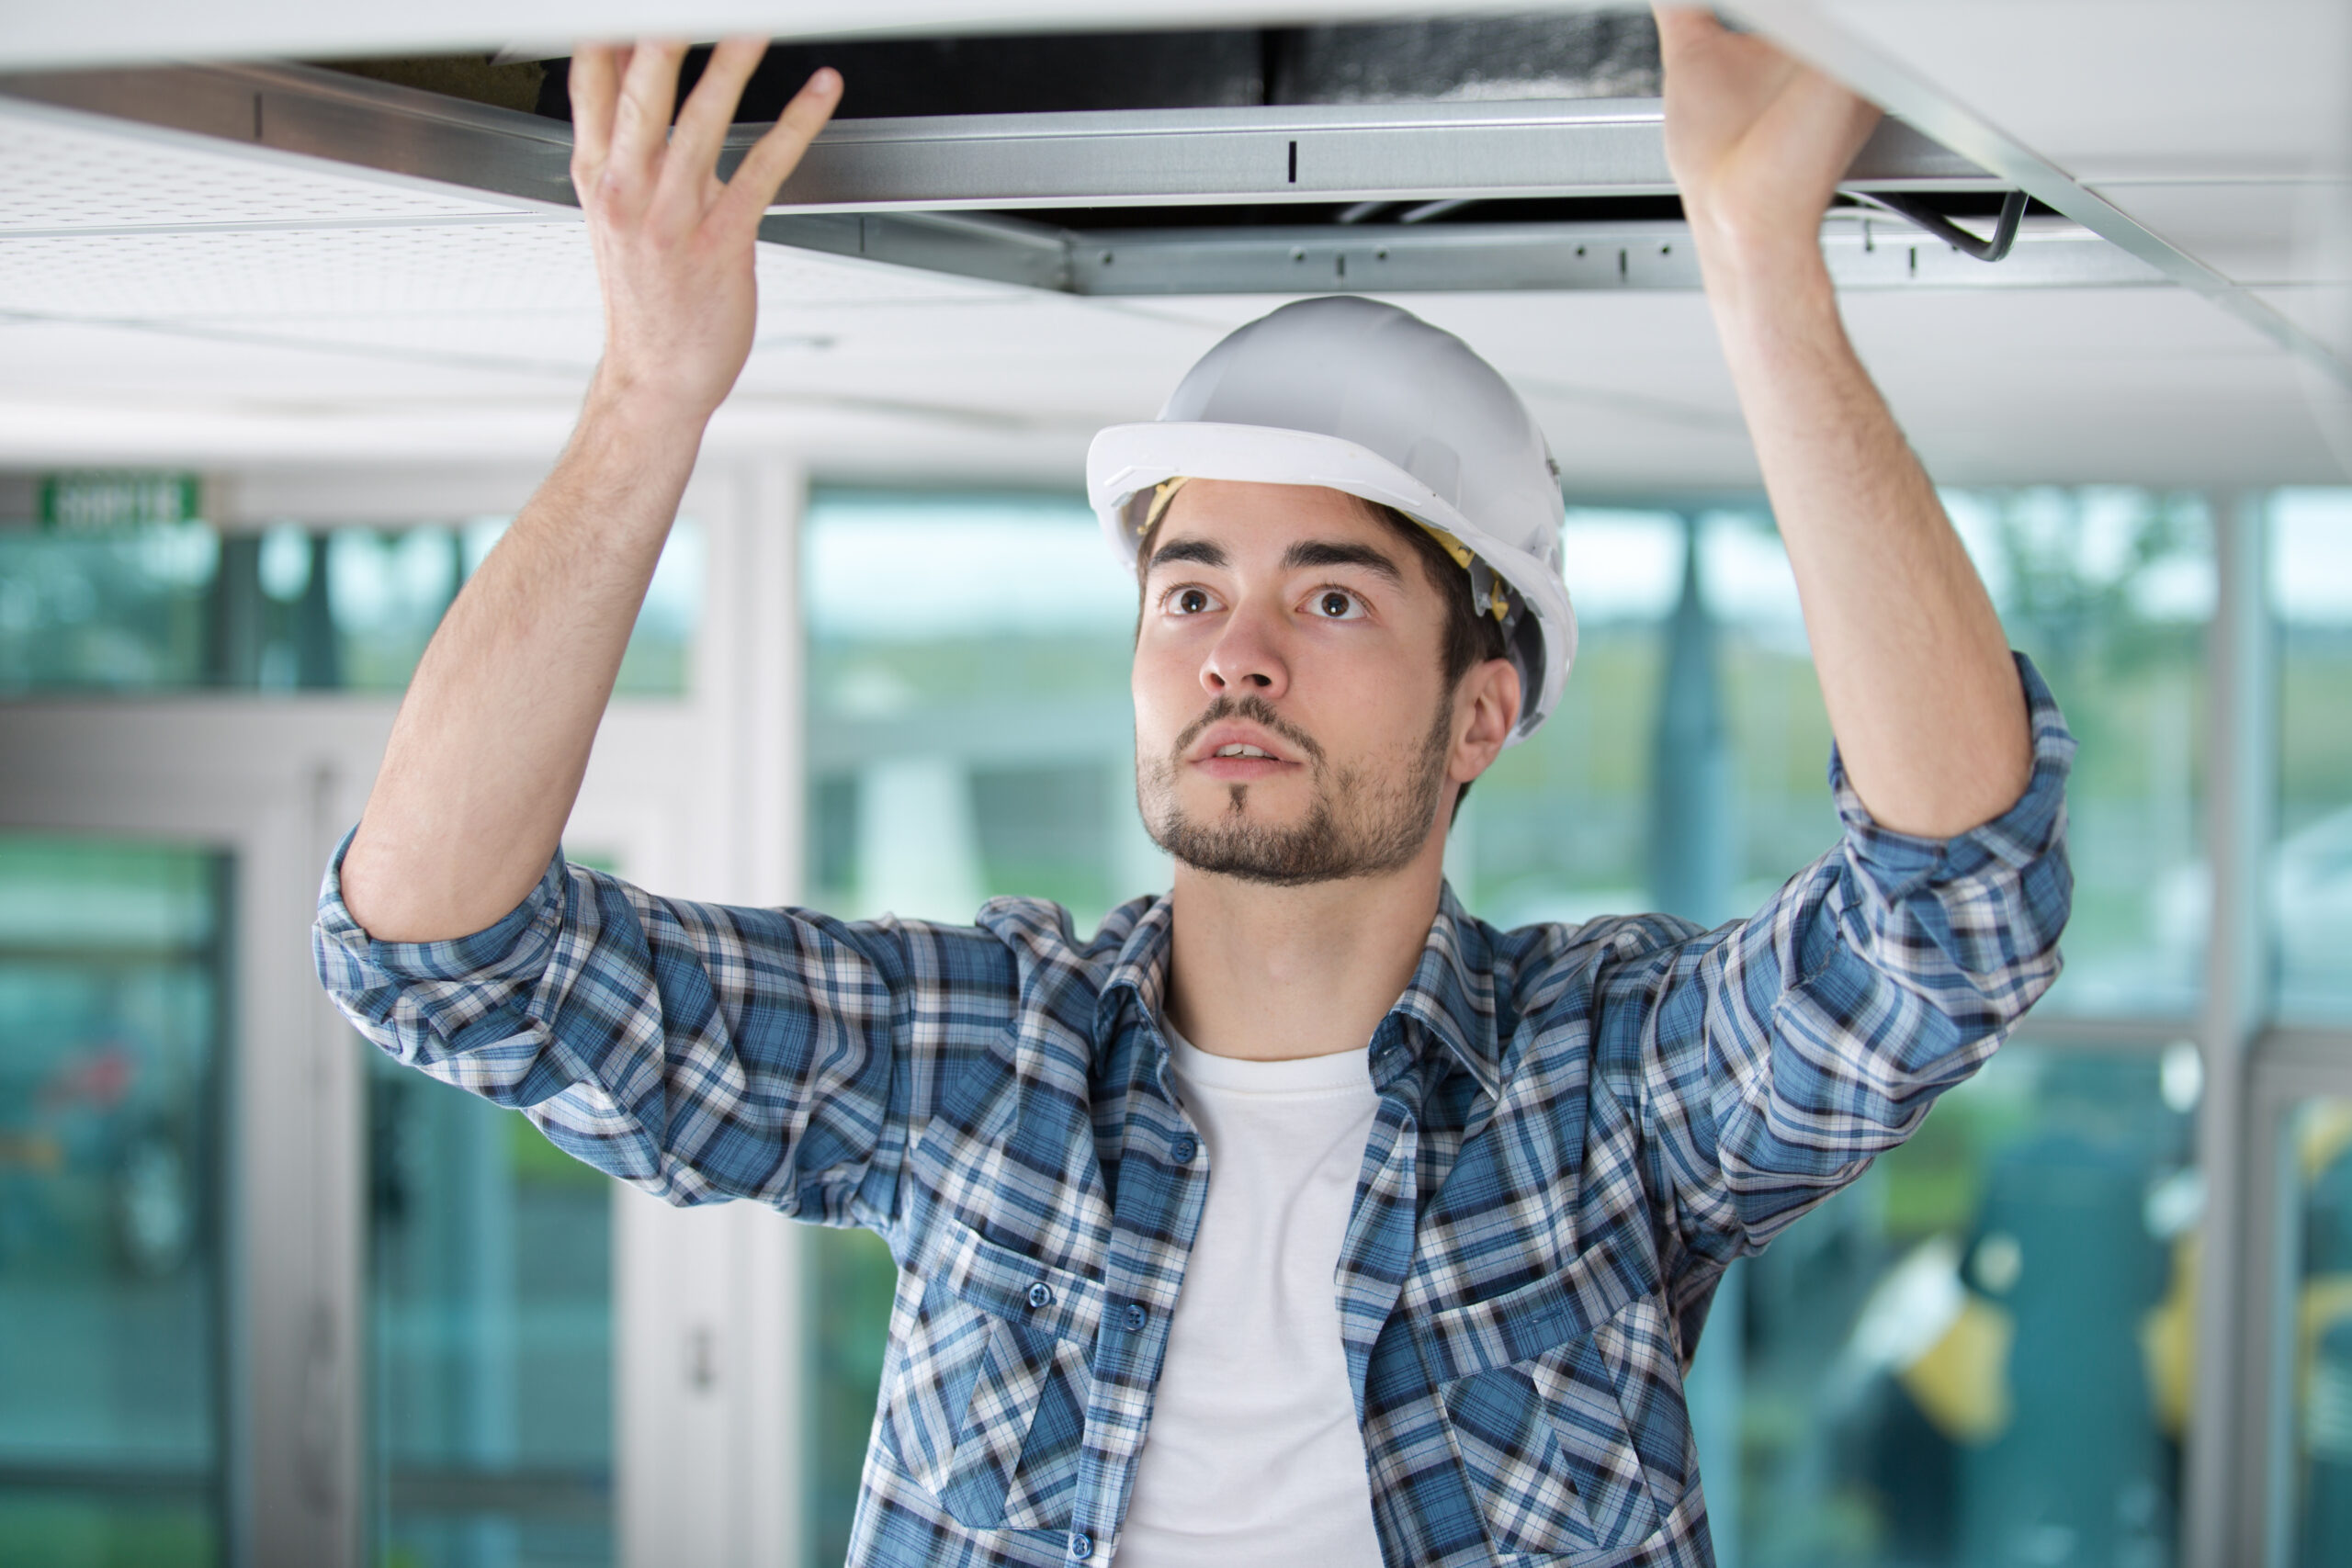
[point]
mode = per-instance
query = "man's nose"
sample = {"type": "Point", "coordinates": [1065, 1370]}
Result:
{"type": "Point", "coordinates": [1245, 661]}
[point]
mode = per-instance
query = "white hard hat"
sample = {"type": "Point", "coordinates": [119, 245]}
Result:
{"type": "Point", "coordinates": [1362, 397]}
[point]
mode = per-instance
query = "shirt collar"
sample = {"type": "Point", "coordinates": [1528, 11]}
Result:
{"type": "Point", "coordinates": [1451, 994]}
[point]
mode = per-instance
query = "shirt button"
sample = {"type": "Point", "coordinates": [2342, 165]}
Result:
{"type": "Point", "coordinates": [1184, 1149]}
{"type": "Point", "coordinates": [1041, 1294]}
{"type": "Point", "coordinates": [1136, 1318]}
{"type": "Point", "coordinates": [1081, 1545]}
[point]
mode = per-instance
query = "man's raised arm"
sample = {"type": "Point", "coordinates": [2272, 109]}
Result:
{"type": "Point", "coordinates": [1922, 693]}
{"type": "Point", "coordinates": [493, 739]}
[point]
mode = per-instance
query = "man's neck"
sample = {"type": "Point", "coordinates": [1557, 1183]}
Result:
{"type": "Point", "coordinates": [1272, 973]}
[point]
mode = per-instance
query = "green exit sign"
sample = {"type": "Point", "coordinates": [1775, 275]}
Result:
{"type": "Point", "coordinates": [101, 501]}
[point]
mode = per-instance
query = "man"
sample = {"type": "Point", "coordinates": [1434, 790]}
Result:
{"type": "Point", "coordinates": [1297, 1217]}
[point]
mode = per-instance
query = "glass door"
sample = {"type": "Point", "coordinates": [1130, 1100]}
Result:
{"type": "Point", "coordinates": [489, 1336]}
{"type": "Point", "coordinates": [115, 997]}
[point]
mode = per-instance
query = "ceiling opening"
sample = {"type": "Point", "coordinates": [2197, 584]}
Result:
{"type": "Point", "coordinates": [1585, 54]}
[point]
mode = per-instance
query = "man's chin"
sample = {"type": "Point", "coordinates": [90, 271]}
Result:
{"type": "Point", "coordinates": [1269, 805]}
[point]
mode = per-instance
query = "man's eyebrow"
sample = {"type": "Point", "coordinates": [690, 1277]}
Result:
{"type": "Point", "coordinates": [1200, 552]}
{"type": "Point", "coordinates": [1325, 552]}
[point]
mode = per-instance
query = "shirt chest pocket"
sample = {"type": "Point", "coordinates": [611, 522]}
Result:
{"type": "Point", "coordinates": [984, 1400]}
{"type": "Point", "coordinates": [1564, 1404]}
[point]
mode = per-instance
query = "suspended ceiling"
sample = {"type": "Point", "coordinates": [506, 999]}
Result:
{"type": "Point", "coordinates": [166, 296]}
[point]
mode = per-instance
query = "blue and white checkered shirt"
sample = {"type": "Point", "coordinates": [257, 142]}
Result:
{"type": "Point", "coordinates": [1578, 1128]}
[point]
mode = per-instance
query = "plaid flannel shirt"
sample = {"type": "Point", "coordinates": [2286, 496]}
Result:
{"type": "Point", "coordinates": [1578, 1129]}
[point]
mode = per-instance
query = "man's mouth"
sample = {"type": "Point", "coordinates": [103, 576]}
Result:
{"type": "Point", "coordinates": [1234, 760]}
{"type": "Point", "coordinates": [1240, 740]}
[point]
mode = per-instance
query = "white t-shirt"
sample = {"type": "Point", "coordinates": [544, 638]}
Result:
{"type": "Point", "coordinates": [1253, 1459]}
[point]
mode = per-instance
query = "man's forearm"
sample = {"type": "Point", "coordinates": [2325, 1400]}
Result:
{"type": "Point", "coordinates": [493, 739]}
{"type": "Point", "coordinates": [1925, 702]}
{"type": "Point", "coordinates": [1914, 666]}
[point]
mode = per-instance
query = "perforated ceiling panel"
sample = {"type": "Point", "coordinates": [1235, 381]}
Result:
{"type": "Point", "coordinates": [306, 272]}
{"type": "Point", "coordinates": [377, 271]}
{"type": "Point", "coordinates": [121, 225]}
{"type": "Point", "coordinates": [56, 174]}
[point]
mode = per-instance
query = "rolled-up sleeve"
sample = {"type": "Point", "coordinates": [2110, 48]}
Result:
{"type": "Point", "coordinates": [698, 1051]}
{"type": "Point", "coordinates": [1773, 1058]}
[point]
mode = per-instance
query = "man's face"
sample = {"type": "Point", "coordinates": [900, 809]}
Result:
{"type": "Point", "coordinates": [1293, 724]}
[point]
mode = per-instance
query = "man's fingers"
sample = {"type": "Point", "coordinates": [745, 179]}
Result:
{"type": "Point", "coordinates": [1680, 27]}
{"type": "Point", "coordinates": [641, 119]}
{"type": "Point", "coordinates": [773, 157]}
{"type": "Point", "coordinates": [595, 81]}
{"type": "Point", "coordinates": [710, 108]}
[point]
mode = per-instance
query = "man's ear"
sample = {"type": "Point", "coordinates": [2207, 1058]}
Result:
{"type": "Point", "coordinates": [1487, 706]}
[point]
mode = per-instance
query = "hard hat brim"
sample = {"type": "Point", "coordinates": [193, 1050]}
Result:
{"type": "Point", "coordinates": [1126, 461]}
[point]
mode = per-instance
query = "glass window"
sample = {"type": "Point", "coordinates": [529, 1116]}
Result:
{"type": "Point", "coordinates": [971, 731]}
{"type": "Point", "coordinates": [1978, 1353]}
{"type": "Point", "coordinates": [489, 1336]}
{"type": "Point", "coordinates": [1554, 830]}
{"type": "Point", "coordinates": [969, 734]}
{"type": "Point", "coordinates": [490, 1333]}
{"type": "Point", "coordinates": [181, 606]}
{"type": "Point", "coordinates": [2310, 559]}
{"type": "Point", "coordinates": [2315, 1319]}
{"type": "Point", "coordinates": [113, 999]}
{"type": "Point", "coordinates": [1685, 767]}
{"type": "Point", "coordinates": [2111, 590]}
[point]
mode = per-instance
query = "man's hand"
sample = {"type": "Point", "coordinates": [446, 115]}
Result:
{"type": "Point", "coordinates": [493, 737]}
{"type": "Point", "coordinates": [673, 244]}
{"type": "Point", "coordinates": [1757, 141]}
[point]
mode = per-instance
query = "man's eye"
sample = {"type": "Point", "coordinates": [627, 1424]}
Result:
{"type": "Point", "coordinates": [1337, 605]}
{"type": "Point", "coordinates": [1190, 601]}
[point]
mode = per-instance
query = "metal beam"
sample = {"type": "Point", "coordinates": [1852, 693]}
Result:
{"type": "Point", "coordinates": [1868, 253]}
{"type": "Point", "coordinates": [1863, 250]}
{"type": "Point", "coordinates": [1605, 256]}
{"type": "Point", "coordinates": [1306, 153]}
{"type": "Point", "coordinates": [913, 192]}
{"type": "Point", "coordinates": [1314, 153]}
{"type": "Point", "coordinates": [2220, 1519]}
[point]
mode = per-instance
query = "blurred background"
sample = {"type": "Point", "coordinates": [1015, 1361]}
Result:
{"type": "Point", "coordinates": [284, 345]}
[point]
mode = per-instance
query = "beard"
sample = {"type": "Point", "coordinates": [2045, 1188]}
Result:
{"type": "Point", "coordinates": [1363, 823]}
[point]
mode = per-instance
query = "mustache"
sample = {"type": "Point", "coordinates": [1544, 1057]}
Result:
{"type": "Point", "coordinates": [1254, 709]}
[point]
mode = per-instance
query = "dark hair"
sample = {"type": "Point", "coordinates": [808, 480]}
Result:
{"type": "Point", "coordinates": [1471, 638]}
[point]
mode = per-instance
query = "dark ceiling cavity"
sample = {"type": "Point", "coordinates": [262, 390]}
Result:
{"type": "Point", "coordinates": [1581, 54]}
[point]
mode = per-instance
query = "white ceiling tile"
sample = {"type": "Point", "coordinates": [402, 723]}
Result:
{"type": "Point", "coordinates": [365, 271]}
{"type": "Point", "coordinates": [2248, 230]}
{"type": "Point", "coordinates": [2142, 386]}
{"type": "Point", "coordinates": [61, 172]}
{"type": "Point", "coordinates": [2323, 309]}
{"type": "Point", "coordinates": [791, 278]}
{"type": "Point", "coordinates": [2127, 88]}
{"type": "Point", "coordinates": [560, 344]}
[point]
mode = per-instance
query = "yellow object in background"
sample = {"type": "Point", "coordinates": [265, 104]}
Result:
{"type": "Point", "coordinates": [2168, 1342]}
{"type": "Point", "coordinates": [1961, 1383]}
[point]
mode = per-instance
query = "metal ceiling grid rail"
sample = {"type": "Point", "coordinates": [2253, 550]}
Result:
{"type": "Point", "coordinates": [1283, 152]}
{"type": "Point", "coordinates": [1330, 151]}
{"type": "Point", "coordinates": [919, 191]}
